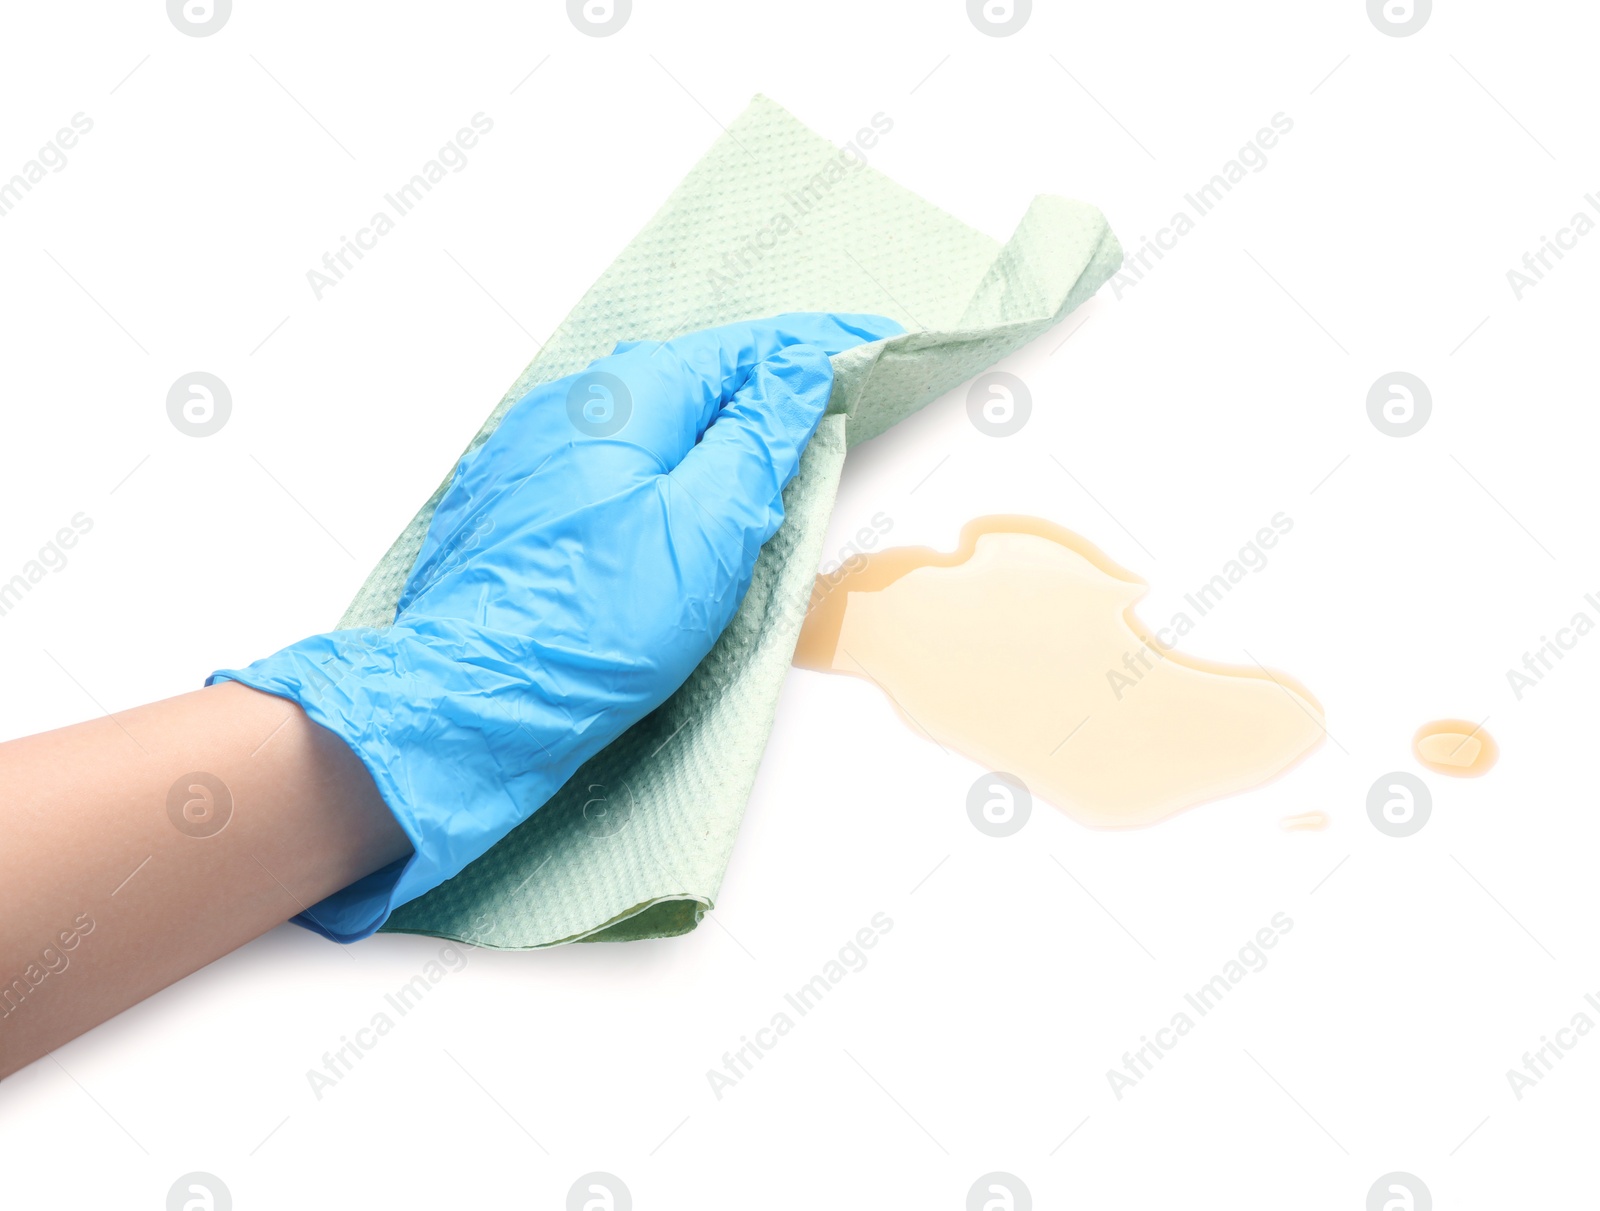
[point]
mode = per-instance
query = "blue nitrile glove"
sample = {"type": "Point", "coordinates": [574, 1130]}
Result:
{"type": "Point", "coordinates": [582, 561]}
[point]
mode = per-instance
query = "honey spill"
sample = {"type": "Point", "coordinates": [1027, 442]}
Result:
{"type": "Point", "coordinates": [1455, 747]}
{"type": "Point", "coordinates": [1020, 649]}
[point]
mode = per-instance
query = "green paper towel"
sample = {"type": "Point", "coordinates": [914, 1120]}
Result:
{"type": "Point", "coordinates": [773, 219]}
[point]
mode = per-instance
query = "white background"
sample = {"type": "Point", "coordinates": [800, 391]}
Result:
{"type": "Point", "coordinates": [1222, 389]}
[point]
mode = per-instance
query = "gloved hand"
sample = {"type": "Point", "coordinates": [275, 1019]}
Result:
{"type": "Point", "coordinates": [582, 561]}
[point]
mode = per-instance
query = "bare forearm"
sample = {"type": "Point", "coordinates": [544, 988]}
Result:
{"type": "Point", "coordinates": [121, 871]}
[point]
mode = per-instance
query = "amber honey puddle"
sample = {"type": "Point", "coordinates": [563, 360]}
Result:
{"type": "Point", "coordinates": [1020, 650]}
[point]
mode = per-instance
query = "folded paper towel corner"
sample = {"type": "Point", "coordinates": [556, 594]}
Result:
{"type": "Point", "coordinates": [774, 218]}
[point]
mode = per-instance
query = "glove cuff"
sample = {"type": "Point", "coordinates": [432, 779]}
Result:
{"type": "Point", "coordinates": [451, 770]}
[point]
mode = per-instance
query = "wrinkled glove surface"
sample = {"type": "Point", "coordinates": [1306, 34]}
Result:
{"type": "Point", "coordinates": [580, 565]}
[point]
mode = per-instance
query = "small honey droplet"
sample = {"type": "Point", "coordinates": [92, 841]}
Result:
{"type": "Point", "coordinates": [1455, 747]}
{"type": "Point", "coordinates": [1305, 822]}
